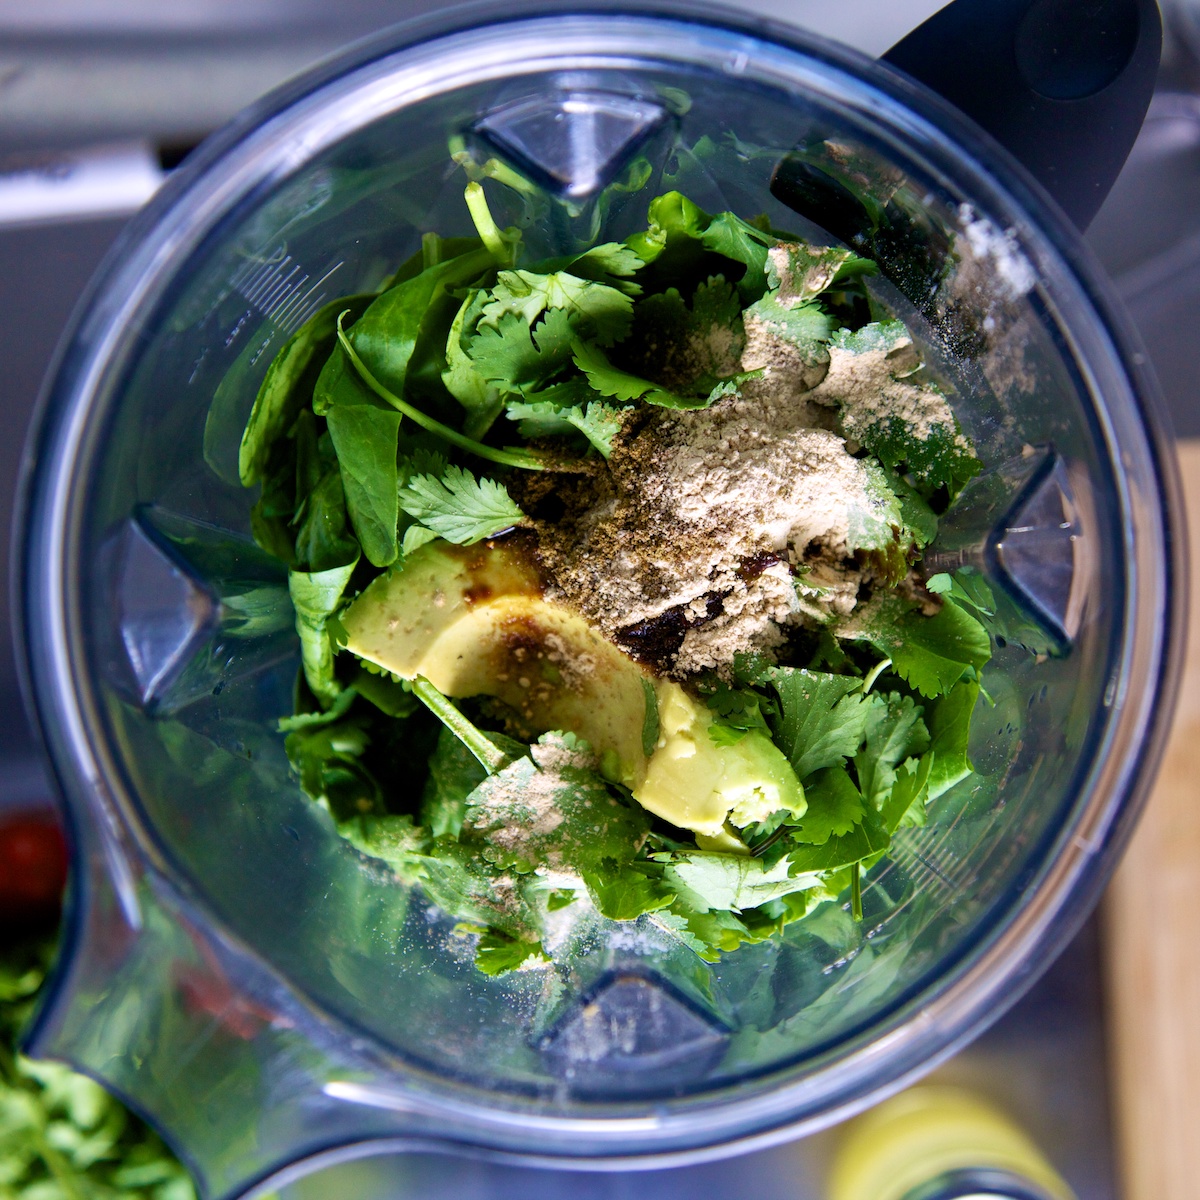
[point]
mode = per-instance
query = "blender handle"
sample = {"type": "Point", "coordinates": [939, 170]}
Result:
{"type": "Point", "coordinates": [1063, 85]}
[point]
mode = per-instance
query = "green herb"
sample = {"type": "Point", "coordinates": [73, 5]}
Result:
{"type": "Point", "coordinates": [822, 718]}
{"type": "Point", "coordinates": [316, 596]}
{"type": "Point", "coordinates": [365, 440]}
{"type": "Point", "coordinates": [931, 653]}
{"type": "Point", "coordinates": [599, 422]}
{"type": "Point", "coordinates": [650, 723]}
{"type": "Point", "coordinates": [359, 437]}
{"type": "Point", "coordinates": [528, 459]}
{"type": "Point", "coordinates": [596, 311]}
{"type": "Point", "coordinates": [459, 507]}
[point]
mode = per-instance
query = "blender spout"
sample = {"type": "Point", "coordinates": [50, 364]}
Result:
{"type": "Point", "coordinates": [205, 1042]}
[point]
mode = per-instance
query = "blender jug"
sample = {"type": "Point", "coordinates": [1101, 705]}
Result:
{"type": "Point", "coordinates": [271, 998]}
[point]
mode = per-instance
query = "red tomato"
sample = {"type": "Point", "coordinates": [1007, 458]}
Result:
{"type": "Point", "coordinates": [33, 864]}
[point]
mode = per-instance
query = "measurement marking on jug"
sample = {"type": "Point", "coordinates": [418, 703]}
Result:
{"type": "Point", "coordinates": [277, 289]}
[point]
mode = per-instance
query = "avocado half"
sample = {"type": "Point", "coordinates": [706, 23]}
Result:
{"type": "Point", "coordinates": [473, 621]}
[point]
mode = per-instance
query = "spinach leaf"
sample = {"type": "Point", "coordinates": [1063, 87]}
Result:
{"type": "Point", "coordinates": [316, 595]}
{"type": "Point", "coordinates": [286, 387]}
{"type": "Point", "coordinates": [365, 439]}
{"type": "Point", "coordinates": [386, 335]}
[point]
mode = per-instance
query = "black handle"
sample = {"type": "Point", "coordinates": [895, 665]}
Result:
{"type": "Point", "coordinates": [1063, 84]}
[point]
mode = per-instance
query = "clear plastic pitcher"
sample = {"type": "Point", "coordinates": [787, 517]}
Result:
{"type": "Point", "coordinates": [267, 995]}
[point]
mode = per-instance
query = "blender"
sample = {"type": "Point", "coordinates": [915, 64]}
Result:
{"type": "Point", "coordinates": [265, 995]}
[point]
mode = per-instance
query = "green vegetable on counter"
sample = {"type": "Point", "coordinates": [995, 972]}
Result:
{"type": "Point", "coordinates": [62, 1136]}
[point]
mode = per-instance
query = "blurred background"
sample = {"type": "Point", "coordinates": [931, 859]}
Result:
{"type": "Point", "coordinates": [101, 99]}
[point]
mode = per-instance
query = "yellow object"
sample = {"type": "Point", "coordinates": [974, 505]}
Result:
{"type": "Point", "coordinates": [473, 622]}
{"type": "Point", "coordinates": [926, 1132]}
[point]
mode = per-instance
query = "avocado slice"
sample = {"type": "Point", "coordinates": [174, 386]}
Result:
{"type": "Point", "coordinates": [473, 621]}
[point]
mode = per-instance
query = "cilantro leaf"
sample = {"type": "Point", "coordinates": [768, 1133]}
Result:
{"type": "Point", "coordinates": [863, 840]}
{"type": "Point", "coordinates": [805, 328]}
{"type": "Point", "coordinates": [894, 732]}
{"type": "Point", "coordinates": [612, 381]}
{"type": "Point", "coordinates": [905, 806]}
{"type": "Point", "coordinates": [930, 653]}
{"type": "Point", "coordinates": [599, 422]}
{"type": "Point", "coordinates": [798, 272]}
{"type": "Point", "coordinates": [734, 238]}
{"type": "Point", "coordinates": [516, 358]}
{"type": "Point", "coordinates": [596, 310]}
{"type": "Point", "coordinates": [673, 216]}
{"type": "Point", "coordinates": [463, 378]}
{"type": "Point", "coordinates": [365, 439]}
{"type": "Point", "coordinates": [328, 760]}
{"type": "Point", "coordinates": [459, 507]}
{"type": "Point", "coordinates": [611, 263]}
{"type": "Point", "coordinates": [623, 891]}
{"type": "Point", "coordinates": [498, 953]}
{"type": "Point", "coordinates": [835, 807]}
{"type": "Point", "coordinates": [707, 882]}
{"type": "Point", "coordinates": [454, 773]}
{"type": "Point", "coordinates": [822, 718]}
{"type": "Point", "coordinates": [688, 350]}
{"type": "Point", "coordinates": [737, 711]}
{"type": "Point", "coordinates": [416, 536]}
{"type": "Point", "coordinates": [950, 729]}
{"type": "Point", "coordinates": [553, 803]}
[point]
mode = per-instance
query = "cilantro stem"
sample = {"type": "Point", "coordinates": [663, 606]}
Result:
{"type": "Point", "coordinates": [856, 910]}
{"type": "Point", "coordinates": [491, 756]}
{"type": "Point", "coordinates": [529, 460]}
{"type": "Point", "coordinates": [485, 224]}
{"type": "Point", "coordinates": [431, 250]}
{"type": "Point", "coordinates": [874, 673]}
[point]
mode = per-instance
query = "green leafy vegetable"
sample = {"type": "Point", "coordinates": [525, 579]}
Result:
{"type": "Point", "coordinates": [316, 596]}
{"type": "Point", "coordinates": [595, 310]}
{"type": "Point", "coordinates": [822, 718]}
{"type": "Point", "coordinates": [902, 419]}
{"type": "Point", "coordinates": [931, 653]}
{"type": "Point", "coordinates": [459, 507]}
{"type": "Point", "coordinates": [62, 1137]}
{"type": "Point", "coordinates": [358, 438]}
{"type": "Point", "coordinates": [599, 422]}
{"type": "Point", "coordinates": [894, 732]}
{"type": "Point", "coordinates": [281, 394]}
{"type": "Point", "coordinates": [528, 459]}
{"type": "Point", "coordinates": [385, 337]}
{"type": "Point", "coordinates": [365, 440]}
{"type": "Point", "coordinates": [835, 807]}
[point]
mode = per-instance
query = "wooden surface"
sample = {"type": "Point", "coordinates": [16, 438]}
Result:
{"type": "Point", "coordinates": [1152, 928]}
